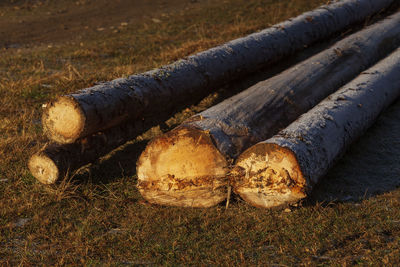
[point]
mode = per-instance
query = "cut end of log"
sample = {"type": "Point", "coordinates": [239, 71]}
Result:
{"type": "Point", "coordinates": [63, 120]}
{"type": "Point", "coordinates": [268, 175]}
{"type": "Point", "coordinates": [183, 168]}
{"type": "Point", "coordinates": [43, 169]}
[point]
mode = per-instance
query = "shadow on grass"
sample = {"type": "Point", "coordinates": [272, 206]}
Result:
{"type": "Point", "coordinates": [370, 167]}
{"type": "Point", "coordinates": [119, 163]}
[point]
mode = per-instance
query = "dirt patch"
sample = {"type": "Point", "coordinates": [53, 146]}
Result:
{"type": "Point", "coordinates": [46, 22]}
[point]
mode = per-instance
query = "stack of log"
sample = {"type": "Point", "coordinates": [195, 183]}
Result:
{"type": "Point", "coordinates": [242, 142]}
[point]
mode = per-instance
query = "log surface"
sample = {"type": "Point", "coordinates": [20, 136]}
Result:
{"type": "Point", "coordinates": [65, 159]}
{"type": "Point", "coordinates": [285, 167]}
{"type": "Point", "coordinates": [255, 115]}
{"type": "Point", "coordinates": [55, 162]}
{"type": "Point", "coordinates": [100, 107]}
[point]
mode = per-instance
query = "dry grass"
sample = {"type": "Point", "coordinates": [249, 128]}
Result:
{"type": "Point", "coordinates": [99, 217]}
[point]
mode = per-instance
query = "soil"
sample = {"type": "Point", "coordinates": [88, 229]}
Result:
{"type": "Point", "coordinates": [25, 23]}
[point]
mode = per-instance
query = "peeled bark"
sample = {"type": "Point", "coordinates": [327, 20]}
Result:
{"type": "Point", "coordinates": [77, 115]}
{"type": "Point", "coordinates": [196, 156]}
{"type": "Point", "coordinates": [285, 168]}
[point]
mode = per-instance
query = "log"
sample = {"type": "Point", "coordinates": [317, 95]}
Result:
{"type": "Point", "coordinates": [188, 166]}
{"type": "Point", "coordinates": [186, 81]}
{"type": "Point", "coordinates": [55, 162]}
{"type": "Point", "coordinates": [285, 168]}
{"type": "Point", "coordinates": [64, 159]}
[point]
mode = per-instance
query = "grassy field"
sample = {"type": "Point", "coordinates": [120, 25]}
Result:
{"type": "Point", "coordinates": [48, 48]}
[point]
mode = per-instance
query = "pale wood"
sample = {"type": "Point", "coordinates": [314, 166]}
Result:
{"type": "Point", "coordinates": [252, 116]}
{"type": "Point", "coordinates": [285, 168]}
{"type": "Point", "coordinates": [196, 185]}
{"type": "Point", "coordinates": [188, 80]}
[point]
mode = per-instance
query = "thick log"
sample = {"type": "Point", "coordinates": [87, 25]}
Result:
{"type": "Point", "coordinates": [80, 114]}
{"type": "Point", "coordinates": [285, 168]}
{"type": "Point", "coordinates": [196, 156]}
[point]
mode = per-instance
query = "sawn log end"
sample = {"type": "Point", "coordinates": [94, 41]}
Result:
{"type": "Point", "coordinates": [63, 120]}
{"type": "Point", "coordinates": [183, 168]}
{"type": "Point", "coordinates": [43, 168]}
{"type": "Point", "coordinates": [268, 175]}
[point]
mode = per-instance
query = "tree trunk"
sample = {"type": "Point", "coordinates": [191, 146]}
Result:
{"type": "Point", "coordinates": [284, 168]}
{"type": "Point", "coordinates": [80, 114]}
{"type": "Point", "coordinates": [57, 161]}
{"type": "Point", "coordinates": [197, 155]}
{"type": "Point", "coordinates": [67, 158]}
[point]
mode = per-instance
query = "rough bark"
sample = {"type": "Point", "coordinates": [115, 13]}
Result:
{"type": "Point", "coordinates": [56, 161]}
{"type": "Point", "coordinates": [68, 157]}
{"type": "Point", "coordinates": [252, 116]}
{"type": "Point", "coordinates": [100, 107]}
{"type": "Point", "coordinates": [285, 168]}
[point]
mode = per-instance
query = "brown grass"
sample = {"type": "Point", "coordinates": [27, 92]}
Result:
{"type": "Point", "coordinates": [99, 218]}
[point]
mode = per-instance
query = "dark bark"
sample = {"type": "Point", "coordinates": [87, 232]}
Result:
{"type": "Point", "coordinates": [57, 161]}
{"type": "Point", "coordinates": [285, 168]}
{"type": "Point", "coordinates": [188, 80]}
{"type": "Point", "coordinates": [69, 156]}
{"type": "Point", "coordinates": [255, 115]}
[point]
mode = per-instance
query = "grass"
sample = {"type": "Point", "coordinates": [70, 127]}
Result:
{"type": "Point", "coordinates": [100, 219]}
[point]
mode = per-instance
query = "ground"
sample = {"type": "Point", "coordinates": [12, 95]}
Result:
{"type": "Point", "coordinates": [48, 48]}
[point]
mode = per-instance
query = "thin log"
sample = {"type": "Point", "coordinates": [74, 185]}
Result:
{"type": "Point", "coordinates": [188, 166]}
{"type": "Point", "coordinates": [285, 168]}
{"type": "Point", "coordinates": [55, 162]}
{"type": "Point", "coordinates": [94, 109]}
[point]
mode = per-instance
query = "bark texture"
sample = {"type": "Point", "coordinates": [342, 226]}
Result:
{"type": "Point", "coordinates": [254, 115]}
{"type": "Point", "coordinates": [55, 161]}
{"type": "Point", "coordinates": [72, 154]}
{"type": "Point", "coordinates": [285, 167]}
{"type": "Point", "coordinates": [100, 107]}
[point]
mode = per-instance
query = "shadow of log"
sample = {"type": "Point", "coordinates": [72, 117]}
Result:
{"type": "Point", "coordinates": [370, 167]}
{"type": "Point", "coordinates": [119, 163]}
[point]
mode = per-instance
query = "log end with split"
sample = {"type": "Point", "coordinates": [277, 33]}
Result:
{"type": "Point", "coordinates": [43, 168]}
{"type": "Point", "coordinates": [183, 168]}
{"type": "Point", "coordinates": [268, 175]}
{"type": "Point", "coordinates": [63, 120]}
